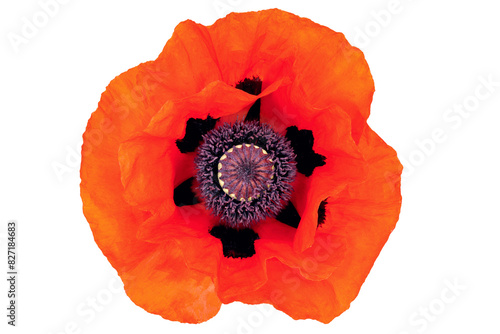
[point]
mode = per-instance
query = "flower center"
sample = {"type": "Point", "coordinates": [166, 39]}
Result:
{"type": "Point", "coordinates": [244, 171]}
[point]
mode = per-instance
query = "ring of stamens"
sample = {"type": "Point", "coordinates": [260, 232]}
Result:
{"type": "Point", "coordinates": [244, 171]}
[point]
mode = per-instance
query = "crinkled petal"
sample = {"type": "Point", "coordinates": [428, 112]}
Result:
{"type": "Point", "coordinates": [217, 99]}
{"type": "Point", "coordinates": [344, 165]}
{"type": "Point", "coordinates": [114, 223]}
{"type": "Point", "coordinates": [117, 117]}
{"type": "Point", "coordinates": [326, 70]}
{"type": "Point", "coordinates": [162, 284]}
{"type": "Point", "coordinates": [189, 227]}
{"type": "Point", "coordinates": [316, 263]}
{"type": "Point", "coordinates": [148, 170]}
{"type": "Point", "coordinates": [331, 128]}
{"type": "Point", "coordinates": [366, 213]}
{"type": "Point", "coordinates": [202, 252]}
{"type": "Point", "coordinates": [287, 290]}
{"type": "Point", "coordinates": [189, 59]}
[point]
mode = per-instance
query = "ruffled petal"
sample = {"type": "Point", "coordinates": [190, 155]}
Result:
{"type": "Point", "coordinates": [118, 116]}
{"type": "Point", "coordinates": [162, 284]}
{"type": "Point", "coordinates": [366, 213]}
{"type": "Point", "coordinates": [217, 100]}
{"type": "Point", "coordinates": [144, 165]}
{"type": "Point", "coordinates": [189, 59]}
{"type": "Point", "coordinates": [189, 227]}
{"type": "Point", "coordinates": [344, 165]}
{"type": "Point", "coordinates": [191, 296]}
{"type": "Point", "coordinates": [316, 263]}
{"type": "Point", "coordinates": [246, 46]}
{"type": "Point", "coordinates": [148, 173]}
{"type": "Point", "coordinates": [202, 252]}
{"type": "Point", "coordinates": [240, 275]}
{"type": "Point", "coordinates": [331, 128]}
{"type": "Point", "coordinates": [325, 69]}
{"type": "Point", "coordinates": [287, 290]}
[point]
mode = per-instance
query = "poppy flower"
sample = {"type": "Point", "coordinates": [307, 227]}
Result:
{"type": "Point", "coordinates": [239, 166]}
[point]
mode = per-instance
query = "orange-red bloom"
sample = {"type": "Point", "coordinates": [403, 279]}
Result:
{"type": "Point", "coordinates": [140, 183]}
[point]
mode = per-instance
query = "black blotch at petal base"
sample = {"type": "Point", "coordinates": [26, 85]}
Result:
{"type": "Point", "coordinates": [236, 243]}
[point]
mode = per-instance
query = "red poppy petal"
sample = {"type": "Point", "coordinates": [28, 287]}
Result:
{"type": "Point", "coordinates": [366, 213]}
{"type": "Point", "coordinates": [162, 284]}
{"type": "Point", "coordinates": [112, 225]}
{"type": "Point", "coordinates": [202, 252]}
{"type": "Point", "coordinates": [240, 275]}
{"type": "Point", "coordinates": [332, 139]}
{"type": "Point", "coordinates": [288, 291]}
{"type": "Point", "coordinates": [189, 59]}
{"type": "Point", "coordinates": [316, 263]}
{"type": "Point", "coordinates": [344, 165]}
{"type": "Point", "coordinates": [217, 99]}
{"type": "Point", "coordinates": [248, 43]}
{"type": "Point", "coordinates": [118, 116]}
{"type": "Point", "coordinates": [189, 227]}
{"type": "Point", "coordinates": [147, 170]}
{"type": "Point", "coordinates": [236, 40]}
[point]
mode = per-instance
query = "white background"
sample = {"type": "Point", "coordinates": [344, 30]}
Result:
{"type": "Point", "coordinates": [428, 59]}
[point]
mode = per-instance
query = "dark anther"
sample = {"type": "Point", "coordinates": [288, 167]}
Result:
{"type": "Point", "coordinates": [252, 86]}
{"type": "Point", "coordinates": [235, 242]}
{"type": "Point", "coordinates": [184, 195]}
{"type": "Point", "coordinates": [195, 129]}
{"type": "Point", "coordinates": [289, 215]}
{"type": "Point", "coordinates": [302, 143]}
{"type": "Point", "coordinates": [322, 212]}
